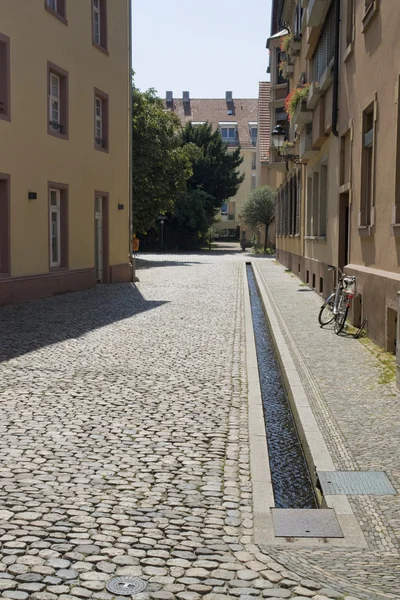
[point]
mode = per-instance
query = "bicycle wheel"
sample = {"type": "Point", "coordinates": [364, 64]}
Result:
{"type": "Point", "coordinates": [341, 315]}
{"type": "Point", "coordinates": [326, 315]}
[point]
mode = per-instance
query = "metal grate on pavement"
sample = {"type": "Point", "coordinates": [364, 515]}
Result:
{"type": "Point", "coordinates": [355, 483]}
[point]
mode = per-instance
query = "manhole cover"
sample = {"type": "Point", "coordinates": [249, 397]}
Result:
{"type": "Point", "coordinates": [306, 522]}
{"type": "Point", "coordinates": [126, 586]}
{"type": "Point", "coordinates": [355, 483]}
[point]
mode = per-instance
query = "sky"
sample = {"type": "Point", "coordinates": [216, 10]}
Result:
{"type": "Point", "coordinates": [205, 47]}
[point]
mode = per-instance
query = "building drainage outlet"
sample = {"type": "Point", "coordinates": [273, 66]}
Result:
{"type": "Point", "coordinates": [126, 586]}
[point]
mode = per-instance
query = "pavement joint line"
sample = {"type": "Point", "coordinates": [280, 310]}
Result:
{"type": "Point", "coordinates": [316, 451]}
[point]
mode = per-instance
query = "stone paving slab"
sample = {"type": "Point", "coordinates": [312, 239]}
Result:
{"type": "Point", "coordinates": [124, 444]}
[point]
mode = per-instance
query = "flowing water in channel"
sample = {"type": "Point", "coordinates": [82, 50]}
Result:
{"type": "Point", "coordinates": [290, 476]}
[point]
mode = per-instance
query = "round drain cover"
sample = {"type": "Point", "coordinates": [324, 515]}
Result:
{"type": "Point", "coordinates": [126, 586]}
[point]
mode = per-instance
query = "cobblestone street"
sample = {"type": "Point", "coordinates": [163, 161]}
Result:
{"type": "Point", "coordinates": [125, 449]}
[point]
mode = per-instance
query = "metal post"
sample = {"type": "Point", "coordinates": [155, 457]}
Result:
{"type": "Point", "coordinates": [162, 235]}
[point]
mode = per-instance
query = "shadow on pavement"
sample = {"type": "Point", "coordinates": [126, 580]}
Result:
{"type": "Point", "coordinates": [32, 325]}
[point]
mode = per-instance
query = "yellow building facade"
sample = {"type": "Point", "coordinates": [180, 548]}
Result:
{"type": "Point", "coordinates": [64, 146]}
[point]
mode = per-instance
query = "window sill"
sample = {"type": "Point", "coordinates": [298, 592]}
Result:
{"type": "Point", "coordinates": [5, 276]}
{"type": "Point", "coordinates": [101, 149]}
{"type": "Point", "coordinates": [369, 15]}
{"type": "Point", "coordinates": [101, 48]}
{"type": "Point", "coordinates": [364, 230]}
{"type": "Point", "coordinates": [349, 51]}
{"type": "Point", "coordinates": [56, 14]}
{"type": "Point", "coordinates": [316, 238]}
{"type": "Point", "coordinates": [5, 117]}
{"type": "Point", "coordinates": [395, 229]}
{"type": "Point", "coordinates": [61, 136]}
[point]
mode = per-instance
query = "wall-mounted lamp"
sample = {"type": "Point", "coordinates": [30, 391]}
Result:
{"type": "Point", "coordinates": [278, 139]}
{"type": "Point", "coordinates": [121, 207]}
{"type": "Point", "coordinates": [32, 196]}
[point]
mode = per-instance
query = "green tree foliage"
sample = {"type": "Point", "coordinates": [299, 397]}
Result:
{"type": "Point", "coordinates": [161, 165]}
{"type": "Point", "coordinates": [259, 209]}
{"type": "Point", "coordinates": [215, 167]}
{"type": "Point", "coordinates": [189, 223]}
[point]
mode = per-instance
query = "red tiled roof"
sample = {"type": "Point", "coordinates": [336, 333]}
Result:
{"type": "Point", "coordinates": [264, 122]}
{"type": "Point", "coordinates": [215, 111]}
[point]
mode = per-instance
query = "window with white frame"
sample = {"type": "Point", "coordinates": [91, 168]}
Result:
{"type": "Point", "coordinates": [52, 4]}
{"type": "Point", "coordinates": [55, 228]}
{"type": "Point", "coordinates": [253, 133]}
{"type": "Point", "coordinates": [96, 22]}
{"type": "Point", "coordinates": [224, 208]}
{"type": "Point", "coordinates": [55, 103]}
{"type": "Point", "coordinates": [99, 120]}
{"type": "Point", "coordinates": [229, 134]}
{"type": "Point", "coordinates": [317, 192]}
{"type": "Point", "coordinates": [58, 9]}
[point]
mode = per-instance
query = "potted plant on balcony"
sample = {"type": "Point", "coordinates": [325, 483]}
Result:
{"type": "Point", "coordinates": [286, 68]}
{"type": "Point", "coordinates": [285, 42]}
{"type": "Point", "coordinates": [295, 99]}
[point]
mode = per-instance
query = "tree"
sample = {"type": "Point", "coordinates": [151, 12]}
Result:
{"type": "Point", "coordinates": [215, 167]}
{"type": "Point", "coordinates": [161, 164]}
{"type": "Point", "coordinates": [189, 223]}
{"type": "Point", "coordinates": [259, 209]}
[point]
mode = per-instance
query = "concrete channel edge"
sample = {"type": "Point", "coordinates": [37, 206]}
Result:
{"type": "Point", "coordinates": [316, 451]}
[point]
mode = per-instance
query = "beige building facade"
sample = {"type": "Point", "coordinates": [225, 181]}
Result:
{"type": "Point", "coordinates": [236, 119]}
{"type": "Point", "coordinates": [338, 204]}
{"type": "Point", "coordinates": [64, 150]}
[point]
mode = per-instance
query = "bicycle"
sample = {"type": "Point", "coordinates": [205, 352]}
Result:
{"type": "Point", "coordinates": [336, 306]}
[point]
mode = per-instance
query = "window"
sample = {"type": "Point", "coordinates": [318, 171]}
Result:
{"type": "Point", "coordinates": [317, 189]}
{"type": "Point", "coordinates": [57, 8]}
{"type": "Point", "coordinates": [253, 135]}
{"type": "Point", "coordinates": [367, 166]}
{"type": "Point", "coordinates": [55, 228]}
{"type": "Point", "coordinates": [229, 135]}
{"type": "Point", "coordinates": [325, 50]}
{"type": "Point", "coordinates": [279, 77]}
{"type": "Point", "coordinates": [4, 77]}
{"type": "Point", "coordinates": [350, 22]}
{"type": "Point", "coordinates": [224, 208]}
{"type": "Point", "coordinates": [254, 161]}
{"type": "Point", "coordinates": [58, 101]}
{"type": "Point", "coordinates": [4, 224]}
{"type": "Point", "coordinates": [99, 24]}
{"type": "Point", "coordinates": [58, 208]}
{"type": "Point", "coordinates": [101, 120]}
{"type": "Point", "coordinates": [253, 181]}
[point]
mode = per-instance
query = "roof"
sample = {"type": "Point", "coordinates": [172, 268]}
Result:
{"type": "Point", "coordinates": [264, 121]}
{"type": "Point", "coordinates": [215, 111]}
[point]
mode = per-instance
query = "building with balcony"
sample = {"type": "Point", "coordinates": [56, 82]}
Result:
{"type": "Point", "coordinates": [64, 152]}
{"type": "Point", "coordinates": [236, 119]}
{"type": "Point", "coordinates": [339, 202]}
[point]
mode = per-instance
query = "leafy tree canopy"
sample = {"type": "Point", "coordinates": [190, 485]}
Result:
{"type": "Point", "coordinates": [259, 209]}
{"type": "Point", "coordinates": [161, 164]}
{"type": "Point", "coordinates": [215, 168]}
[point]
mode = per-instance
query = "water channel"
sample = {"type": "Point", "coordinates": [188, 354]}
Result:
{"type": "Point", "coordinates": [291, 479]}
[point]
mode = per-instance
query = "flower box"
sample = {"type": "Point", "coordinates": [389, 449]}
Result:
{"type": "Point", "coordinates": [314, 95]}
{"type": "Point", "coordinates": [301, 116]}
{"type": "Point", "coordinates": [294, 47]}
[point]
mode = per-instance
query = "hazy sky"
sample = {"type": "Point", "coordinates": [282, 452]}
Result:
{"type": "Point", "coordinates": [203, 46]}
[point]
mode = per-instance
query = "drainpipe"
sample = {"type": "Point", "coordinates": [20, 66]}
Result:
{"type": "Point", "coordinates": [335, 102]}
{"type": "Point", "coordinates": [131, 259]}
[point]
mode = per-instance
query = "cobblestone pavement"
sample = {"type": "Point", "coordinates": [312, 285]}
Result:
{"type": "Point", "coordinates": [124, 445]}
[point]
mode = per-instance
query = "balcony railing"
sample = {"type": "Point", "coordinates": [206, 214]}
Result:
{"type": "Point", "coordinates": [101, 142]}
{"type": "Point", "coordinates": [56, 126]}
{"type": "Point", "coordinates": [231, 142]}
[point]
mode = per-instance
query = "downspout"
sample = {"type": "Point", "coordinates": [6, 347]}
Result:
{"type": "Point", "coordinates": [335, 101]}
{"type": "Point", "coordinates": [131, 258]}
